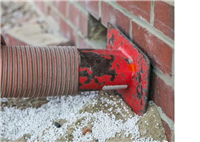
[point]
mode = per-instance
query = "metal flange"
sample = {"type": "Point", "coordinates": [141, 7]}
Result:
{"type": "Point", "coordinates": [136, 95]}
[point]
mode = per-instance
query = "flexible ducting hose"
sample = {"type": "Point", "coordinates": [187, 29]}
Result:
{"type": "Point", "coordinates": [38, 71]}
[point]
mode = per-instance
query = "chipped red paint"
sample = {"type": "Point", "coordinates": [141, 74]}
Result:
{"type": "Point", "coordinates": [136, 95]}
{"type": "Point", "coordinates": [99, 68]}
{"type": "Point", "coordinates": [122, 63]}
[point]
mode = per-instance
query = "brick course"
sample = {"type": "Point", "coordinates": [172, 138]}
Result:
{"type": "Point", "coordinates": [164, 18]}
{"type": "Point", "coordinates": [114, 16]}
{"type": "Point", "coordinates": [162, 95]}
{"type": "Point", "coordinates": [140, 9]}
{"type": "Point", "coordinates": [159, 52]}
{"type": "Point", "coordinates": [93, 8]}
{"type": "Point", "coordinates": [41, 6]}
{"type": "Point", "coordinates": [168, 131]}
{"type": "Point", "coordinates": [67, 31]}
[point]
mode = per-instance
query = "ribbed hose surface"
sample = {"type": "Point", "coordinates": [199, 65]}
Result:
{"type": "Point", "coordinates": [38, 71]}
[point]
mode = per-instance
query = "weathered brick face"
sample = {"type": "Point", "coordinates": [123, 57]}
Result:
{"type": "Point", "coordinates": [159, 52]}
{"type": "Point", "coordinates": [110, 14]}
{"type": "Point", "coordinates": [164, 18]}
{"type": "Point", "coordinates": [83, 25]}
{"type": "Point", "coordinates": [41, 6]}
{"type": "Point", "coordinates": [140, 9]}
{"type": "Point", "coordinates": [67, 31]}
{"type": "Point", "coordinates": [149, 24]}
{"type": "Point", "coordinates": [168, 131]}
{"type": "Point", "coordinates": [163, 95]}
{"type": "Point", "coordinates": [93, 8]}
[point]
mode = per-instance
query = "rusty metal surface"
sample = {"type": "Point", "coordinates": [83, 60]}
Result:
{"type": "Point", "coordinates": [136, 95]}
{"type": "Point", "coordinates": [38, 71]}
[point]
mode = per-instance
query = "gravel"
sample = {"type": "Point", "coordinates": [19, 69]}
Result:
{"type": "Point", "coordinates": [78, 112]}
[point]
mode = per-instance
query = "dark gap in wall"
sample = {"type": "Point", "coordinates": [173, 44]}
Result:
{"type": "Point", "coordinates": [97, 33]}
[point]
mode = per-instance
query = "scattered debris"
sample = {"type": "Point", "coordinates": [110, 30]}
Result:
{"type": "Point", "coordinates": [86, 117]}
{"type": "Point", "coordinates": [87, 129]}
{"type": "Point", "coordinates": [57, 125]}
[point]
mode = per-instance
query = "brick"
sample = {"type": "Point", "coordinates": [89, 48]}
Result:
{"type": "Point", "coordinates": [56, 4]}
{"type": "Point", "coordinates": [115, 17]}
{"type": "Point", "coordinates": [78, 18]}
{"type": "Point", "coordinates": [83, 44]}
{"type": "Point", "coordinates": [41, 5]}
{"type": "Point", "coordinates": [83, 24]}
{"type": "Point", "coordinates": [164, 18]}
{"type": "Point", "coordinates": [62, 7]}
{"type": "Point", "coordinates": [73, 14]}
{"type": "Point", "coordinates": [69, 11]}
{"type": "Point", "coordinates": [53, 14]}
{"type": "Point", "coordinates": [162, 95]}
{"type": "Point", "coordinates": [93, 8]}
{"type": "Point", "coordinates": [141, 9]}
{"type": "Point", "coordinates": [159, 52]}
{"type": "Point", "coordinates": [82, 3]}
{"type": "Point", "coordinates": [67, 31]}
{"type": "Point", "coordinates": [168, 131]}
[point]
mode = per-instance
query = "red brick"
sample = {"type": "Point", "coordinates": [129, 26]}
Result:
{"type": "Point", "coordinates": [115, 17]}
{"type": "Point", "coordinates": [67, 31]}
{"type": "Point", "coordinates": [41, 5]}
{"type": "Point", "coordinates": [83, 44]}
{"type": "Point", "coordinates": [140, 9]}
{"type": "Point", "coordinates": [168, 131]}
{"type": "Point", "coordinates": [62, 7]}
{"type": "Point", "coordinates": [164, 18]}
{"type": "Point", "coordinates": [78, 18]}
{"type": "Point", "coordinates": [74, 15]}
{"type": "Point", "coordinates": [69, 12]}
{"type": "Point", "coordinates": [159, 52]}
{"type": "Point", "coordinates": [93, 8]}
{"type": "Point", "coordinates": [56, 4]}
{"type": "Point", "coordinates": [53, 14]}
{"type": "Point", "coordinates": [83, 24]}
{"type": "Point", "coordinates": [162, 95]}
{"type": "Point", "coordinates": [82, 3]}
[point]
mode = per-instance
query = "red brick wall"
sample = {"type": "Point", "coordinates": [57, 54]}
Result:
{"type": "Point", "coordinates": [149, 24]}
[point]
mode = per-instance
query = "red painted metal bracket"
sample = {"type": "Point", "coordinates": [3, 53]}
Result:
{"type": "Point", "coordinates": [136, 95]}
{"type": "Point", "coordinates": [122, 67]}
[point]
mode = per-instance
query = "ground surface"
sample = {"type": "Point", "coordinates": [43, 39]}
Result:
{"type": "Point", "coordinates": [90, 116]}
